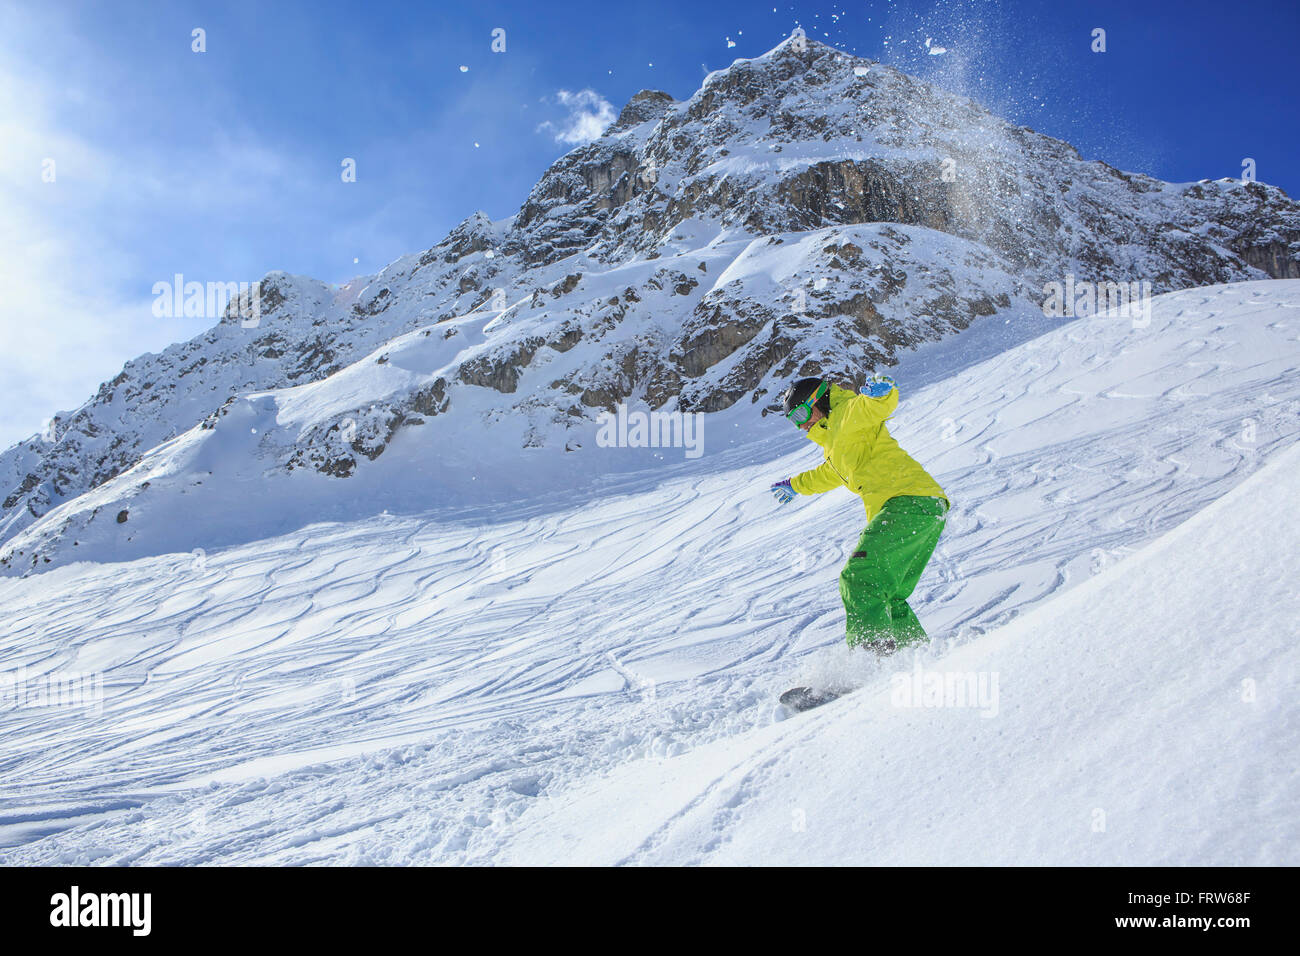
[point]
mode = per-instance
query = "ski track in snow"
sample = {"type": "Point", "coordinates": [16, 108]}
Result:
{"type": "Point", "coordinates": [402, 690]}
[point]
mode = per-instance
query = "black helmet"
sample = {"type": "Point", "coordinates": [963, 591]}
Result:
{"type": "Point", "coordinates": [801, 391]}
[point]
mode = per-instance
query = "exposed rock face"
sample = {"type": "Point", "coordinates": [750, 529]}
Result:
{"type": "Point", "coordinates": [850, 191]}
{"type": "Point", "coordinates": [646, 106]}
{"type": "Point", "coordinates": [501, 370]}
{"type": "Point", "coordinates": [938, 161]}
{"type": "Point", "coordinates": [804, 211]}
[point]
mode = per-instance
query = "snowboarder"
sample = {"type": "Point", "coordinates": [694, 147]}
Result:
{"type": "Point", "coordinates": [905, 506]}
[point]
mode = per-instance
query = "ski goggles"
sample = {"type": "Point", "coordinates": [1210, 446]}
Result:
{"type": "Point", "coordinates": [803, 411]}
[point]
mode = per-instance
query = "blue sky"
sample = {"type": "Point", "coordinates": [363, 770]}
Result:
{"type": "Point", "coordinates": [224, 165]}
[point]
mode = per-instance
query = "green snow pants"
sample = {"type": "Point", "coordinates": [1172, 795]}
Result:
{"type": "Point", "coordinates": [880, 576]}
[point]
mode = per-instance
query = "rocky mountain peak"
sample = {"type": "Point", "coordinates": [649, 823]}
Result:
{"type": "Point", "coordinates": [643, 107]}
{"type": "Point", "coordinates": [805, 211]}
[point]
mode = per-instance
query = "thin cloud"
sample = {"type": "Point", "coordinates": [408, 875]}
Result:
{"type": "Point", "coordinates": [73, 251]}
{"type": "Point", "coordinates": [590, 114]}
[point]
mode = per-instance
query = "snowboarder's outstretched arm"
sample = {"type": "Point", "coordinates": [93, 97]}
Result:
{"type": "Point", "coordinates": [813, 482]}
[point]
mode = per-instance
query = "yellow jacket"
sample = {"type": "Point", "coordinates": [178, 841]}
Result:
{"type": "Point", "coordinates": [861, 455]}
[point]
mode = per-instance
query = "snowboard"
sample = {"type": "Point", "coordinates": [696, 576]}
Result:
{"type": "Point", "coordinates": [805, 698]}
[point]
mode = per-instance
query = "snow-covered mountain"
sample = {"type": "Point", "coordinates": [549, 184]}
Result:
{"type": "Point", "coordinates": [804, 210]}
{"type": "Point", "coordinates": [589, 674]}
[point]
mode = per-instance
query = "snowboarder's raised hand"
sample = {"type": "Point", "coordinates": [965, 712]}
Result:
{"type": "Point", "coordinates": [878, 386]}
{"type": "Point", "coordinates": [783, 491]}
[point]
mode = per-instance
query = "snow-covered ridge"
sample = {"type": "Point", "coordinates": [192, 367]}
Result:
{"type": "Point", "coordinates": [463, 683]}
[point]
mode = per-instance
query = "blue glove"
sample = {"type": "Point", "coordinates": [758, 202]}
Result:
{"type": "Point", "coordinates": [783, 491]}
{"type": "Point", "coordinates": [878, 386]}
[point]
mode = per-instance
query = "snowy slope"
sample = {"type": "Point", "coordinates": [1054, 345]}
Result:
{"type": "Point", "coordinates": [435, 686]}
{"type": "Point", "coordinates": [1147, 716]}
